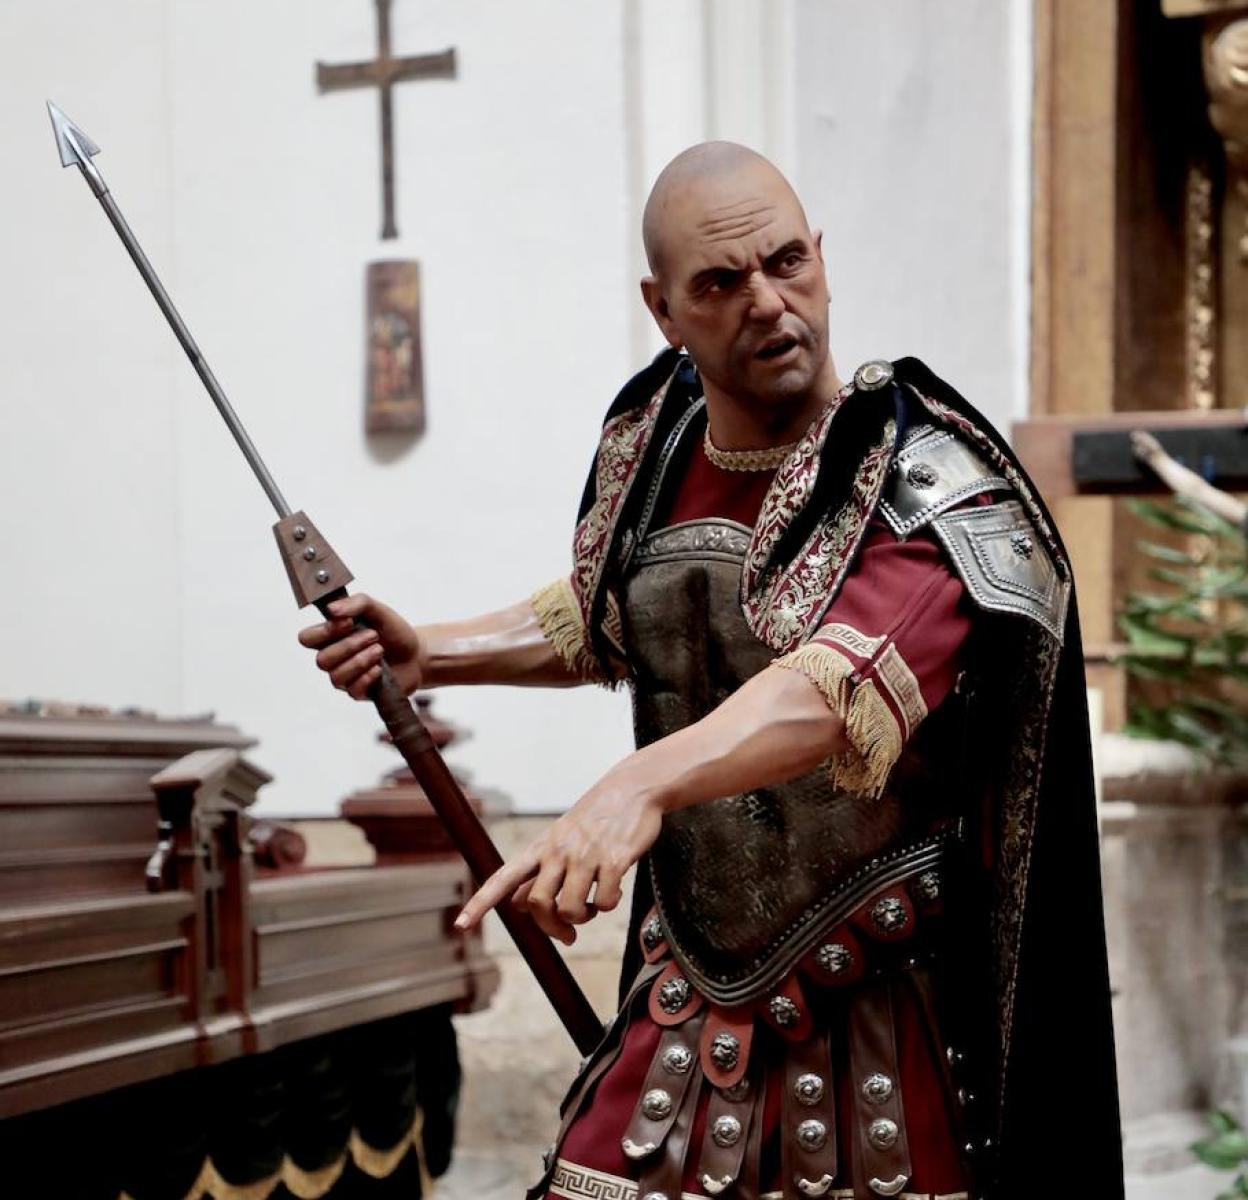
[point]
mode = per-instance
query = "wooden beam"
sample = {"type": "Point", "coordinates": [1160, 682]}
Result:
{"type": "Point", "coordinates": [1046, 445]}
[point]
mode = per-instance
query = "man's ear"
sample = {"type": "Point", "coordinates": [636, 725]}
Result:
{"type": "Point", "coordinates": [817, 237]}
{"type": "Point", "coordinates": [656, 302]}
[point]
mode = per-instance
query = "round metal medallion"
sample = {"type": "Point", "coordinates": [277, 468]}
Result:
{"type": "Point", "coordinates": [674, 994]}
{"type": "Point", "coordinates": [834, 958]}
{"type": "Point", "coordinates": [1021, 544]}
{"type": "Point", "coordinates": [808, 1088]}
{"type": "Point", "coordinates": [725, 1050]}
{"type": "Point", "coordinates": [655, 1196]}
{"type": "Point", "coordinates": [677, 1059]}
{"type": "Point", "coordinates": [883, 1133]}
{"type": "Point", "coordinates": [874, 374]}
{"type": "Point", "coordinates": [955, 1056]}
{"type": "Point", "coordinates": [927, 887]}
{"type": "Point", "coordinates": [726, 1131]}
{"type": "Point", "coordinates": [921, 475]}
{"type": "Point", "coordinates": [657, 1104]}
{"type": "Point", "coordinates": [784, 1012]}
{"type": "Point", "coordinates": [888, 915]}
{"type": "Point", "coordinates": [651, 933]}
{"type": "Point", "coordinates": [877, 1088]}
{"type": "Point", "coordinates": [812, 1134]}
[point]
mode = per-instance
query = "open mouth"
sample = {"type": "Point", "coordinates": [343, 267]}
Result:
{"type": "Point", "coordinates": [777, 349]}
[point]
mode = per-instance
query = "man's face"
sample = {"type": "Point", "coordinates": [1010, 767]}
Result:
{"type": "Point", "coordinates": [741, 285]}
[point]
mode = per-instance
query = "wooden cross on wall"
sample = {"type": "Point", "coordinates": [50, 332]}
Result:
{"type": "Point", "coordinates": [384, 72]}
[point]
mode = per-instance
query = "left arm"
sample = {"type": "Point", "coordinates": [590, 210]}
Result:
{"type": "Point", "coordinates": [777, 725]}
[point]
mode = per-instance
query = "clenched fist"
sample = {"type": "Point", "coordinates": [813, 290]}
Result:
{"type": "Point", "coordinates": [351, 656]}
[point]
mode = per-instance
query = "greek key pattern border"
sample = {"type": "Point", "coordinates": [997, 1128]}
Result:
{"type": "Point", "coordinates": [572, 1182]}
{"type": "Point", "coordinates": [894, 672]}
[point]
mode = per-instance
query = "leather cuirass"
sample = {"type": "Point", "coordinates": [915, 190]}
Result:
{"type": "Point", "coordinates": [745, 884]}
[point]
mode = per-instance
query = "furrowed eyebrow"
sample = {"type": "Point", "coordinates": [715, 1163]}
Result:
{"type": "Point", "coordinates": [710, 274]}
{"type": "Point", "coordinates": [785, 250]}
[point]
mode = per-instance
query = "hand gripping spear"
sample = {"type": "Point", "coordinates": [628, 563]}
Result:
{"type": "Point", "coordinates": [319, 577]}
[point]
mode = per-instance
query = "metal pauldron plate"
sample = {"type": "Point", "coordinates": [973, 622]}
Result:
{"type": "Point", "coordinates": [934, 471]}
{"type": "Point", "coordinates": [1005, 564]}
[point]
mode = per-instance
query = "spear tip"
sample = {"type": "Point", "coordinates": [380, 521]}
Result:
{"type": "Point", "coordinates": [71, 142]}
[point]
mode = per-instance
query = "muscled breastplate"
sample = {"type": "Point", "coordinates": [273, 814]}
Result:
{"type": "Point", "coordinates": [745, 884]}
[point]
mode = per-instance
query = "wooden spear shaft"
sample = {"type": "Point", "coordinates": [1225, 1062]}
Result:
{"type": "Point", "coordinates": [319, 577]}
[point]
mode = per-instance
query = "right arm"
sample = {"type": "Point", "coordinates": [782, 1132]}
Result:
{"type": "Point", "coordinates": [515, 645]}
{"type": "Point", "coordinates": [1185, 482]}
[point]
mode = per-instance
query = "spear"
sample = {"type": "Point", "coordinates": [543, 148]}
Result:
{"type": "Point", "coordinates": [319, 577]}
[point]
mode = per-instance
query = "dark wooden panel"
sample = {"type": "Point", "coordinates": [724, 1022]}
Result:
{"type": "Point", "coordinates": [105, 983]}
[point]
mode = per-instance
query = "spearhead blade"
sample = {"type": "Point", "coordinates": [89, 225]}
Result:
{"type": "Point", "coordinates": [73, 144]}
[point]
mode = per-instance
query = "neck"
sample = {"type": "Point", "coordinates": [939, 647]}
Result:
{"type": "Point", "coordinates": [745, 423]}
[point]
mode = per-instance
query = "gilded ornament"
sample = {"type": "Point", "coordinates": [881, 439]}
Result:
{"type": "Point", "coordinates": [725, 1050]}
{"type": "Point", "coordinates": [746, 460]}
{"type": "Point", "coordinates": [808, 1088]}
{"type": "Point", "coordinates": [811, 1135]}
{"type": "Point", "coordinates": [675, 994]}
{"type": "Point", "coordinates": [1021, 544]}
{"type": "Point", "coordinates": [656, 1104]}
{"type": "Point", "coordinates": [677, 1060]}
{"type": "Point", "coordinates": [927, 887]}
{"type": "Point", "coordinates": [834, 958]}
{"type": "Point", "coordinates": [877, 1088]}
{"type": "Point", "coordinates": [882, 1133]}
{"type": "Point", "coordinates": [726, 1131]}
{"type": "Point", "coordinates": [784, 1012]}
{"type": "Point", "coordinates": [921, 475]}
{"type": "Point", "coordinates": [872, 375]}
{"type": "Point", "coordinates": [888, 915]}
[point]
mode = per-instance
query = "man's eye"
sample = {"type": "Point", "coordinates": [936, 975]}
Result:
{"type": "Point", "coordinates": [791, 262]}
{"type": "Point", "coordinates": [721, 281]}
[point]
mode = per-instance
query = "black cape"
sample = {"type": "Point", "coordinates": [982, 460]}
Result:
{"type": "Point", "coordinates": [1033, 983]}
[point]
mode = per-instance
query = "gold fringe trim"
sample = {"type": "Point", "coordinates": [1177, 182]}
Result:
{"type": "Point", "coordinates": [311, 1185]}
{"type": "Point", "coordinates": [870, 728]}
{"type": "Point", "coordinates": [559, 615]}
{"type": "Point", "coordinates": [875, 737]}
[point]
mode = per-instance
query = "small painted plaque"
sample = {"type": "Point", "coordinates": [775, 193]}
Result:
{"type": "Point", "coordinates": [396, 388]}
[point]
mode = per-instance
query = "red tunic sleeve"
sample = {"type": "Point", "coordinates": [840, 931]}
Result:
{"type": "Point", "coordinates": [888, 649]}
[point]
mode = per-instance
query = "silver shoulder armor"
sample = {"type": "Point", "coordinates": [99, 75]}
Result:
{"type": "Point", "coordinates": [994, 548]}
{"type": "Point", "coordinates": [934, 471]}
{"type": "Point", "coordinates": [1004, 565]}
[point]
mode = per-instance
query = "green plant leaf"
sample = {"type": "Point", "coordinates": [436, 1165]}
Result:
{"type": "Point", "coordinates": [1223, 1121]}
{"type": "Point", "coordinates": [1224, 1152]}
{"type": "Point", "coordinates": [1185, 520]}
{"type": "Point", "coordinates": [1168, 554]}
{"type": "Point", "coordinates": [1143, 636]}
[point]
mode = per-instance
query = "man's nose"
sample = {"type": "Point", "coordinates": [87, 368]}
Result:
{"type": "Point", "coordinates": [766, 303]}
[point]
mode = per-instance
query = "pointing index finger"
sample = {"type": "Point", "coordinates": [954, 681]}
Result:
{"type": "Point", "coordinates": [494, 890]}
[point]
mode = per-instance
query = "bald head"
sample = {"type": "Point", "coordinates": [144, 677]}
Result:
{"type": "Point", "coordinates": [704, 185]}
{"type": "Point", "coordinates": [737, 278]}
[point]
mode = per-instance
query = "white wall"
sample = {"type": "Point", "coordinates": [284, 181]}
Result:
{"type": "Point", "coordinates": [140, 566]}
{"type": "Point", "coordinates": [913, 150]}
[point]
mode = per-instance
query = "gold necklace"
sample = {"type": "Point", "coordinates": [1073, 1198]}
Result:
{"type": "Point", "coordinates": [745, 460]}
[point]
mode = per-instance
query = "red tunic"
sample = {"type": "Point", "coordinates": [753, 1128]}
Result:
{"type": "Point", "coordinates": [900, 618]}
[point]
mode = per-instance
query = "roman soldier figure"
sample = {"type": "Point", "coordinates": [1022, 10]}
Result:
{"type": "Point", "coordinates": [867, 951]}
